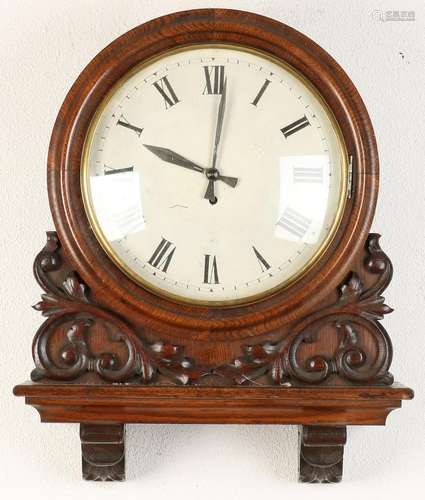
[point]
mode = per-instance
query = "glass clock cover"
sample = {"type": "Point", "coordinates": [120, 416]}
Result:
{"type": "Point", "coordinates": [214, 174]}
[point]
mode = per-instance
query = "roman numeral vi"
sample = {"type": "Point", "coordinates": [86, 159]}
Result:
{"type": "Point", "coordinates": [210, 270]}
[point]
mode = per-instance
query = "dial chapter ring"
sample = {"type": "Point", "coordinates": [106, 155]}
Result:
{"type": "Point", "coordinates": [113, 288]}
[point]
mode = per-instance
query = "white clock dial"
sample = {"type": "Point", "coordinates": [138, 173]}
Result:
{"type": "Point", "coordinates": [214, 216]}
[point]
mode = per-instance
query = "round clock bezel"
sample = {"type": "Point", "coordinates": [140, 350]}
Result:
{"type": "Point", "coordinates": [111, 286]}
{"type": "Point", "coordinates": [107, 247]}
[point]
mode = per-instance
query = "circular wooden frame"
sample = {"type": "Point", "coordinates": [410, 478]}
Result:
{"type": "Point", "coordinates": [110, 286]}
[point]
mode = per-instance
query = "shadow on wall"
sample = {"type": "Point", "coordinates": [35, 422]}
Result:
{"type": "Point", "coordinates": [151, 449]}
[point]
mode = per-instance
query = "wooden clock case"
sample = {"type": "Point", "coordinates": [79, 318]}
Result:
{"type": "Point", "coordinates": [110, 352]}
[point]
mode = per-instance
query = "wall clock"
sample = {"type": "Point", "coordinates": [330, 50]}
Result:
{"type": "Point", "coordinates": [212, 177]}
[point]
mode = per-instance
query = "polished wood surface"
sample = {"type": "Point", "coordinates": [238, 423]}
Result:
{"type": "Point", "coordinates": [111, 352]}
{"type": "Point", "coordinates": [321, 453]}
{"type": "Point", "coordinates": [340, 343]}
{"type": "Point", "coordinates": [199, 327]}
{"type": "Point", "coordinates": [103, 452]}
{"type": "Point", "coordinates": [251, 405]}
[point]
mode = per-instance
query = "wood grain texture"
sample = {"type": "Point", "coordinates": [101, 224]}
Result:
{"type": "Point", "coordinates": [112, 352]}
{"type": "Point", "coordinates": [103, 452]}
{"type": "Point", "coordinates": [194, 324]}
{"type": "Point", "coordinates": [126, 403]}
{"type": "Point", "coordinates": [341, 342]}
{"type": "Point", "coordinates": [362, 350]}
{"type": "Point", "coordinates": [321, 453]}
{"type": "Point", "coordinates": [79, 337]}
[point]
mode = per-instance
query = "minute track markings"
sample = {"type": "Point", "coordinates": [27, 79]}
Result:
{"type": "Point", "coordinates": [257, 263]}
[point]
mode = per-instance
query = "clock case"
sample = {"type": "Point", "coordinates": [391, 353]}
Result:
{"type": "Point", "coordinates": [110, 352]}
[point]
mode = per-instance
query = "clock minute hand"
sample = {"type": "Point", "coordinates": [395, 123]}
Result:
{"type": "Point", "coordinates": [170, 156]}
{"type": "Point", "coordinates": [212, 173]}
{"type": "Point", "coordinates": [219, 127]}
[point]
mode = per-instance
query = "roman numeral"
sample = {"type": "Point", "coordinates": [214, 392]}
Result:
{"type": "Point", "coordinates": [312, 175]}
{"type": "Point", "coordinates": [294, 222]}
{"type": "Point", "coordinates": [260, 92]}
{"type": "Point", "coordinates": [162, 256]}
{"type": "Point", "coordinates": [295, 126]}
{"type": "Point", "coordinates": [214, 79]}
{"type": "Point", "coordinates": [264, 265]}
{"type": "Point", "coordinates": [210, 270]}
{"type": "Point", "coordinates": [110, 170]}
{"type": "Point", "coordinates": [166, 90]}
{"type": "Point", "coordinates": [125, 123]}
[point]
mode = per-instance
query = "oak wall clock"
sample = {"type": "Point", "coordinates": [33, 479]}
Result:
{"type": "Point", "coordinates": [212, 177]}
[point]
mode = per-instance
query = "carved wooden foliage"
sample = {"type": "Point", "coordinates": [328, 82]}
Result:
{"type": "Point", "coordinates": [353, 319]}
{"type": "Point", "coordinates": [357, 308]}
{"type": "Point", "coordinates": [71, 313]}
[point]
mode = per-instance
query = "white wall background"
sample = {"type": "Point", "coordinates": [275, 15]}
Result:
{"type": "Point", "coordinates": [44, 44]}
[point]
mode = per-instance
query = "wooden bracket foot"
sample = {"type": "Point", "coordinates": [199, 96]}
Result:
{"type": "Point", "coordinates": [103, 452]}
{"type": "Point", "coordinates": [321, 451]}
{"type": "Point", "coordinates": [324, 412]}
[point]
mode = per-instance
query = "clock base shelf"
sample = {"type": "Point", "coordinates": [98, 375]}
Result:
{"type": "Point", "coordinates": [322, 412]}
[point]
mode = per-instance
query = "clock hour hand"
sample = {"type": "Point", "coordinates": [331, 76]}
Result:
{"type": "Point", "coordinates": [172, 157]}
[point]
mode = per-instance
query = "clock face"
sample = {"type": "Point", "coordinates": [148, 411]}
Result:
{"type": "Point", "coordinates": [214, 174]}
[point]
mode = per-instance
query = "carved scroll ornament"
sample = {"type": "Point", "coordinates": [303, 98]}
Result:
{"type": "Point", "coordinates": [357, 309]}
{"type": "Point", "coordinates": [353, 319]}
{"type": "Point", "coordinates": [71, 313]}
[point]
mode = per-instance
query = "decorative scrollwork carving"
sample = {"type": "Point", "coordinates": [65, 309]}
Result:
{"type": "Point", "coordinates": [354, 319]}
{"type": "Point", "coordinates": [299, 358]}
{"type": "Point", "coordinates": [71, 314]}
